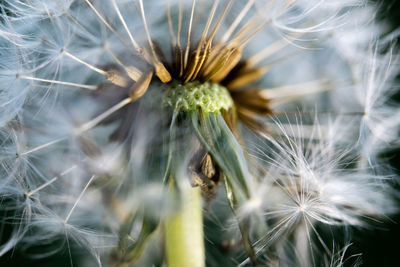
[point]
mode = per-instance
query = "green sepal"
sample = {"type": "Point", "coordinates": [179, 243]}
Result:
{"type": "Point", "coordinates": [130, 250]}
{"type": "Point", "coordinates": [220, 142]}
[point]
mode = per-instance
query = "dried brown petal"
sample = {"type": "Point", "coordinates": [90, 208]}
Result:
{"type": "Point", "coordinates": [116, 77]}
{"type": "Point", "coordinates": [141, 86]}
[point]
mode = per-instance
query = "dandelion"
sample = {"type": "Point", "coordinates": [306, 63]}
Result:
{"type": "Point", "coordinates": [193, 133]}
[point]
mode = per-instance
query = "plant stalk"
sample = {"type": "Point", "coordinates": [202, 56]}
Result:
{"type": "Point", "coordinates": [184, 232]}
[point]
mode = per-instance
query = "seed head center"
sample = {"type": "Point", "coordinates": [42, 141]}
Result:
{"type": "Point", "coordinates": [192, 96]}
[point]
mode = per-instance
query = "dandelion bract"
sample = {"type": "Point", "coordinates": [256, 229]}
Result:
{"type": "Point", "coordinates": [194, 132]}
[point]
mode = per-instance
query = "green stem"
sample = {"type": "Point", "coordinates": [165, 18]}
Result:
{"type": "Point", "coordinates": [184, 232]}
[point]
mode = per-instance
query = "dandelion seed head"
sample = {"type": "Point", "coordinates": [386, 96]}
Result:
{"type": "Point", "coordinates": [112, 110]}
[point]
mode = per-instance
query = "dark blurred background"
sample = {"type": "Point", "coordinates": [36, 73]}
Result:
{"type": "Point", "coordinates": [379, 246]}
